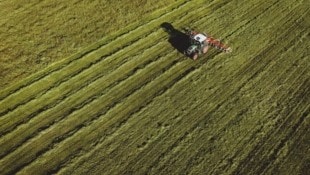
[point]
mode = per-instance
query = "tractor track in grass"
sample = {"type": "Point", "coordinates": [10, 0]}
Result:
{"type": "Point", "coordinates": [176, 137]}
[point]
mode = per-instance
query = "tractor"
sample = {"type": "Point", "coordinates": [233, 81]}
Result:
{"type": "Point", "coordinates": [200, 43]}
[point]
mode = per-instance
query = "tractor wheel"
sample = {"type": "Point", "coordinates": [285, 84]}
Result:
{"type": "Point", "coordinates": [205, 49]}
{"type": "Point", "coordinates": [195, 56]}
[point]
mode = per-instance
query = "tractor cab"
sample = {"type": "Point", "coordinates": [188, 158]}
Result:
{"type": "Point", "coordinates": [198, 45]}
{"type": "Point", "coordinates": [200, 38]}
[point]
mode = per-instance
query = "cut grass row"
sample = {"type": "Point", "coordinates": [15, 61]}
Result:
{"type": "Point", "coordinates": [83, 81]}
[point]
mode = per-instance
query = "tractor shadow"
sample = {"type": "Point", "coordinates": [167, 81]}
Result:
{"type": "Point", "coordinates": [177, 39]}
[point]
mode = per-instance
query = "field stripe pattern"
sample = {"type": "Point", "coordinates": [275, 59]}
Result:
{"type": "Point", "coordinates": [132, 104]}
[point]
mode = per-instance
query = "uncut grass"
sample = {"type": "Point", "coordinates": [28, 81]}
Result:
{"type": "Point", "coordinates": [35, 36]}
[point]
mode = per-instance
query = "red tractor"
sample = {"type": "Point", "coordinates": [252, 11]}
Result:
{"type": "Point", "coordinates": [200, 43]}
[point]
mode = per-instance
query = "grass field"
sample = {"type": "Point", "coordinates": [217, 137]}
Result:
{"type": "Point", "coordinates": [36, 33]}
{"type": "Point", "coordinates": [113, 96]}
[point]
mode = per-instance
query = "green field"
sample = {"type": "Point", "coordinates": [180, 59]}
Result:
{"type": "Point", "coordinates": [96, 87]}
